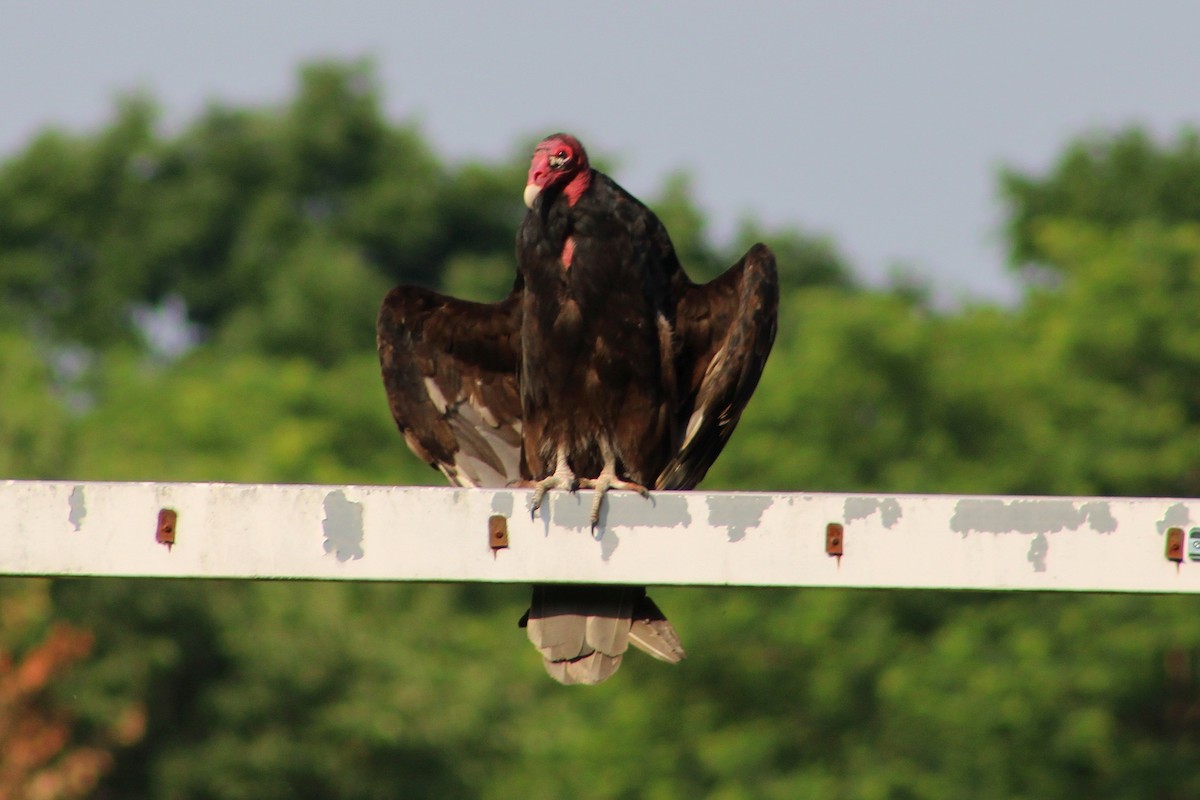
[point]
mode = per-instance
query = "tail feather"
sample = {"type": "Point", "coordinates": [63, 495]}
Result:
{"type": "Point", "coordinates": [588, 670]}
{"type": "Point", "coordinates": [583, 631]}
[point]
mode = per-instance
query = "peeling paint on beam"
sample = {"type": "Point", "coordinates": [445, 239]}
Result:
{"type": "Point", "coordinates": [687, 538]}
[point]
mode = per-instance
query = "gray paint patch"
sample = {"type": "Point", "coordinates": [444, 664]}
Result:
{"type": "Point", "coordinates": [502, 504]}
{"type": "Point", "coordinates": [77, 506]}
{"type": "Point", "coordinates": [571, 510]}
{"type": "Point", "coordinates": [856, 508]}
{"type": "Point", "coordinates": [574, 510]}
{"type": "Point", "coordinates": [1177, 516]}
{"type": "Point", "coordinates": [620, 508]}
{"type": "Point", "coordinates": [1029, 516]}
{"type": "Point", "coordinates": [1037, 552]}
{"type": "Point", "coordinates": [343, 526]}
{"type": "Point", "coordinates": [738, 514]}
{"type": "Point", "coordinates": [1099, 516]}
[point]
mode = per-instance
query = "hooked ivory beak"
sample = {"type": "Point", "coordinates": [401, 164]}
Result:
{"type": "Point", "coordinates": [531, 192]}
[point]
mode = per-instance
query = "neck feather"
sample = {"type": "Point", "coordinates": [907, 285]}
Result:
{"type": "Point", "coordinates": [578, 185]}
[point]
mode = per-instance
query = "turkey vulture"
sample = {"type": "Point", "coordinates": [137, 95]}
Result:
{"type": "Point", "coordinates": [605, 367]}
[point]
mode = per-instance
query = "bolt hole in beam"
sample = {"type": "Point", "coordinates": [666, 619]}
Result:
{"type": "Point", "coordinates": [682, 538]}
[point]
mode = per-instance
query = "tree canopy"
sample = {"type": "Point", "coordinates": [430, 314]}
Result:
{"type": "Point", "coordinates": [199, 305]}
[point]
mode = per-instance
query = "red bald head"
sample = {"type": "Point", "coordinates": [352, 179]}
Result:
{"type": "Point", "coordinates": [559, 162]}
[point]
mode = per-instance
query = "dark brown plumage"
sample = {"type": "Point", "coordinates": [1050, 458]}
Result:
{"type": "Point", "coordinates": [605, 367]}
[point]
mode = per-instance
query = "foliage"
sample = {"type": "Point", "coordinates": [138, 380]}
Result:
{"type": "Point", "coordinates": [231, 212]}
{"type": "Point", "coordinates": [1108, 180]}
{"type": "Point", "coordinates": [33, 427]}
{"type": "Point", "coordinates": [263, 240]}
{"type": "Point", "coordinates": [38, 760]}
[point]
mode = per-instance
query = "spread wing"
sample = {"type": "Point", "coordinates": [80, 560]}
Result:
{"type": "Point", "coordinates": [724, 331]}
{"type": "Point", "coordinates": [450, 371]}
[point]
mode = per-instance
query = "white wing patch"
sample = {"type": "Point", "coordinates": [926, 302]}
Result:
{"type": "Point", "coordinates": [489, 454]}
{"type": "Point", "coordinates": [435, 395]}
{"type": "Point", "coordinates": [694, 423]}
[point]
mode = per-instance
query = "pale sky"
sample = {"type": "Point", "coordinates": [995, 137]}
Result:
{"type": "Point", "coordinates": [880, 124]}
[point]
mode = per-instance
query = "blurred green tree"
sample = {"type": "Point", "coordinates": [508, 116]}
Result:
{"type": "Point", "coordinates": [1107, 179]}
{"type": "Point", "coordinates": [34, 435]}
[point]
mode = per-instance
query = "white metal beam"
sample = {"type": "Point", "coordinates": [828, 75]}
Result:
{"type": "Point", "coordinates": [697, 538]}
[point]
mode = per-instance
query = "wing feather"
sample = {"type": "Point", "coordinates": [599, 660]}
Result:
{"type": "Point", "coordinates": [450, 371]}
{"type": "Point", "coordinates": [724, 330]}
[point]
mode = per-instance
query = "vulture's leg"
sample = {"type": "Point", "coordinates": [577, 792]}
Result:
{"type": "Point", "coordinates": [561, 478]}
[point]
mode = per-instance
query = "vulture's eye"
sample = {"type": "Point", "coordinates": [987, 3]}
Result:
{"type": "Point", "coordinates": [559, 159]}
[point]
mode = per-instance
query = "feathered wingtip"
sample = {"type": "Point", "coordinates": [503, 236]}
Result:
{"type": "Point", "coordinates": [652, 633]}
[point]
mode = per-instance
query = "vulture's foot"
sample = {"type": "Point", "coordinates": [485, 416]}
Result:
{"type": "Point", "coordinates": [606, 480]}
{"type": "Point", "coordinates": [561, 478]}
